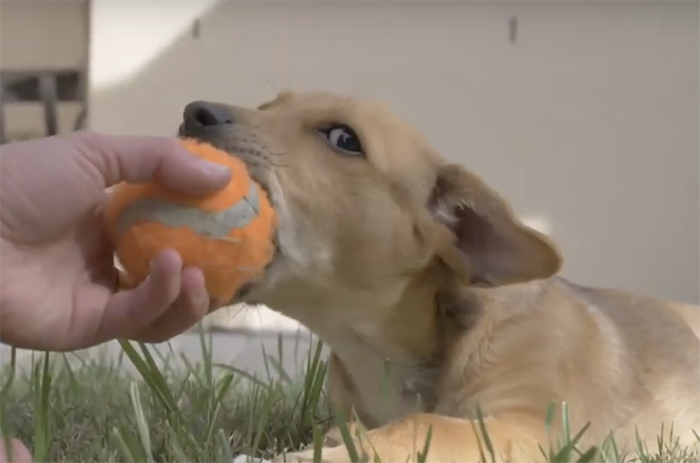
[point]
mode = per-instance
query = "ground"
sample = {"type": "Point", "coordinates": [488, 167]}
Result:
{"type": "Point", "coordinates": [146, 404]}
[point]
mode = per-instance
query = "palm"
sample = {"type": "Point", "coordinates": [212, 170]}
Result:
{"type": "Point", "coordinates": [72, 275]}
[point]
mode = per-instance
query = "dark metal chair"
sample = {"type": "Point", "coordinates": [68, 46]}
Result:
{"type": "Point", "coordinates": [43, 87]}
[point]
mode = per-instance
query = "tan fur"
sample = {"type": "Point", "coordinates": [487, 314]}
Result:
{"type": "Point", "coordinates": [437, 302]}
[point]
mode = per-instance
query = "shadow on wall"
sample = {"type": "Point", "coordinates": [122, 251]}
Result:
{"type": "Point", "coordinates": [240, 52]}
{"type": "Point", "coordinates": [585, 116]}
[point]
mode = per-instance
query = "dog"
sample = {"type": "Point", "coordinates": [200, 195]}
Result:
{"type": "Point", "coordinates": [445, 315]}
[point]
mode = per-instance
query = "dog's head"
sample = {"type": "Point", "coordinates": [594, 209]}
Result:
{"type": "Point", "coordinates": [366, 208]}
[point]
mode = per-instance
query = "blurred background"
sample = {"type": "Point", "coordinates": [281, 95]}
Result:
{"type": "Point", "coordinates": [585, 115]}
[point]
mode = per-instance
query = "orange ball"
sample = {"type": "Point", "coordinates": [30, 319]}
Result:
{"type": "Point", "coordinates": [228, 235]}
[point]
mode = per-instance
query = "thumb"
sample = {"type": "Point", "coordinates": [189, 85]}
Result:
{"type": "Point", "coordinates": [141, 159]}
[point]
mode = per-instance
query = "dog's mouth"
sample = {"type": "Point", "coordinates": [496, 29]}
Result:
{"type": "Point", "coordinates": [257, 178]}
{"type": "Point", "coordinates": [234, 151]}
{"type": "Point", "coordinates": [247, 291]}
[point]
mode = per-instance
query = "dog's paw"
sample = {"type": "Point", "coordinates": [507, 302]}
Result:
{"type": "Point", "coordinates": [328, 455]}
{"type": "Point", "coordinates": [248, 459]}
{"type": "Point", "coordinates": [296, 457]}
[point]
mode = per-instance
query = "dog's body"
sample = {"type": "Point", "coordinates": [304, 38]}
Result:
{"type": "Point", "coordinates": [437, 302]}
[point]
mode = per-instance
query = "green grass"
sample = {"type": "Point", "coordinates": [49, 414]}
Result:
{"type": "Point", "coordinates": [68, 411]}
{"type": "Point", "coordinates": [96, 412]}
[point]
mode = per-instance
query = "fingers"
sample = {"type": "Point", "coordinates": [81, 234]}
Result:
{"type": "Point", "coordinates": [170, 302]}
{"type": "Point", "coordinates": [15, 453]}
{"type": "Point", "coordinates": [190, 307]}
{"type": "Point", "coordinates": [124, 281]}
{"type": "Point", "coordinates": [140, 159]}
{"type": "Point", "coordinates": [129, 311]}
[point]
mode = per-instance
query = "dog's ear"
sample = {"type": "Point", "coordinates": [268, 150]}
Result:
{"type": "Point", "coordinates": [492, 244]}
{"type": "Point", "coordinates": [282, 97]}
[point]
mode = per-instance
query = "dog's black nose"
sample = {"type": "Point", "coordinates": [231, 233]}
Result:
{"type": "Point", "coordinates": [201, 114]}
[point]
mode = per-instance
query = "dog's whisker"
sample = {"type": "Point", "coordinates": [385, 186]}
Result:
{"type": "Point", "coordinates": [272, 152]}
{"type": "Point", "coordinates": [272, 86]}
{"type": "Point", "coordinates": [274, 164]}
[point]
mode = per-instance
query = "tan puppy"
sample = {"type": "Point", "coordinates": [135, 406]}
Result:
{"type": "Point", "coordinates": [436, 300]}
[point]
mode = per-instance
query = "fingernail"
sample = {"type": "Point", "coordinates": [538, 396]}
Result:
{"type": "Point", "coordinates": [213, 169]}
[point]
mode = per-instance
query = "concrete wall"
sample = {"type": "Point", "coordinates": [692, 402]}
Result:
{"type": "Point", "coordinates": [586, 117]}
{"type": "Point", "coordinates": [43, 34]}
{"type": "Point", "coordinates": [40, 35]}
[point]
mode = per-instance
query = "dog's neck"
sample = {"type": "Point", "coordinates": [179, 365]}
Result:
{"type": "Point", "coordinates": [389, 338]}
{"type": "Point", "coordinates": [402, 329]}
{"type": "Point", "coordinates": [392, 352]}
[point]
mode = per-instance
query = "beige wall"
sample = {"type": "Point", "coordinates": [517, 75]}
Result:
{"type": "Point", "coordinates": [588, 122]}
{"type": "Point", "coordinates": [42, 35]}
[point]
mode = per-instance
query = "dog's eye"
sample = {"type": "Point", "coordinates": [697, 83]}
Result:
{"type": "Point", "coordinates": [343, 139]}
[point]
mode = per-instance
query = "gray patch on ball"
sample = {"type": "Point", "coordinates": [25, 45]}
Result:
{"type": "Point", "coordinates": [215, 225]}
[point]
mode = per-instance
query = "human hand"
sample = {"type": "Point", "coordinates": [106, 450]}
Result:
{"type": "Point", "coordinates": [57, 276]}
